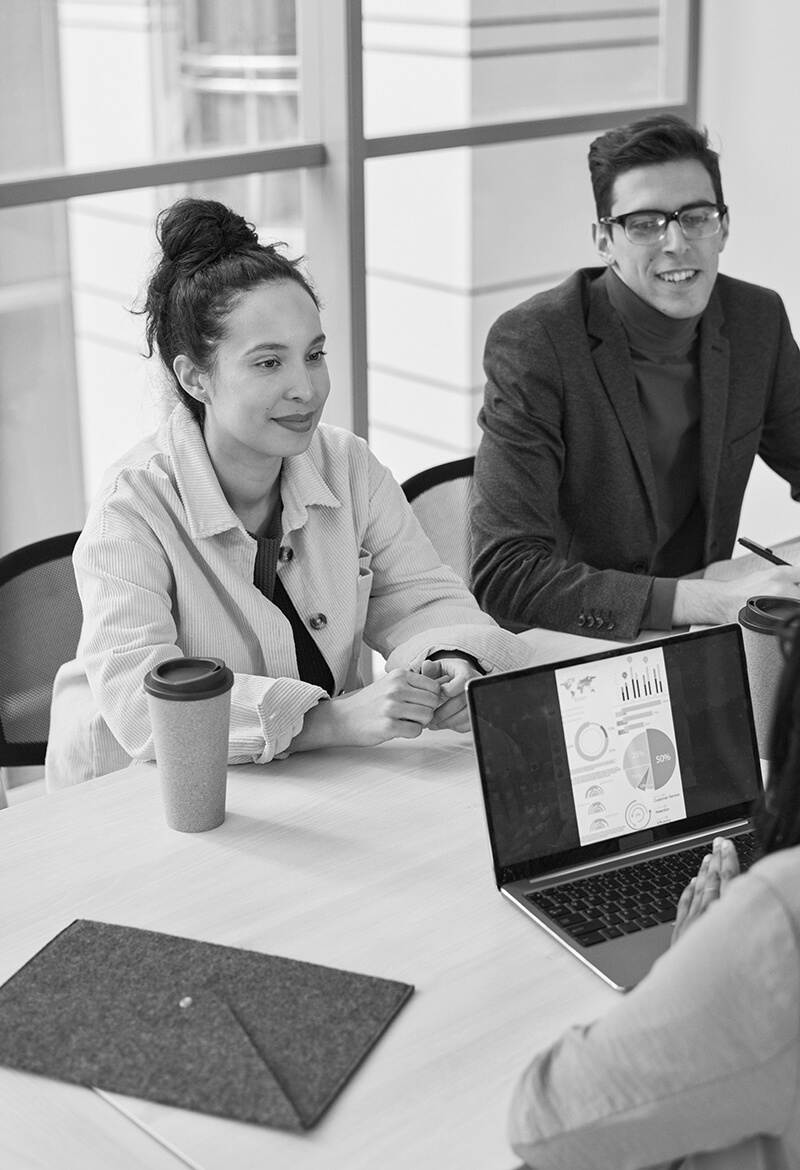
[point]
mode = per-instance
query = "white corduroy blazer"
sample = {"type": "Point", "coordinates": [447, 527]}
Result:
{"type": "Point", "coordinates": [165, 567]}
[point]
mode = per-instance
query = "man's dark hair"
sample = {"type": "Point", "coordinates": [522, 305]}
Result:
{"type": "Point", "coordinates": [659, 138]}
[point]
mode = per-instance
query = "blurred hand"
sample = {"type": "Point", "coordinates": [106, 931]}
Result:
{"type": "Point", "coordinates": [453, 675]}
{"type": "Point", "coordinates": [717, 870]}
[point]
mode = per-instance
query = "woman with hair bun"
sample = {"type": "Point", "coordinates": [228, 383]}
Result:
{"type": "Point", "coordinates": [247, 530]}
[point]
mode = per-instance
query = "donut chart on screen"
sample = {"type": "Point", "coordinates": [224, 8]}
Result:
{"type": "Point", "coordinates": [591, 741]}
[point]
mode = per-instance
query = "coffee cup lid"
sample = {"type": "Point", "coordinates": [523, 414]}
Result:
{"type": "Point", "coordinates": [766, 614]}
{"type": "Point", "coordinates": [189, 678]}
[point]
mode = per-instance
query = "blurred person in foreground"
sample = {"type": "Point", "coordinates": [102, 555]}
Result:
{"type": "Point", "coordinates": [698, 1067]}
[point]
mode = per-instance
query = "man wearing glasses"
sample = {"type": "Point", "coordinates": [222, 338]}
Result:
{"type": "Point", "coordinates": [624, 409]}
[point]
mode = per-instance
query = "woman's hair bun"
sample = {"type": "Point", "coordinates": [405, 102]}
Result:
{"type": "Point", "coordinates": [194, 233]}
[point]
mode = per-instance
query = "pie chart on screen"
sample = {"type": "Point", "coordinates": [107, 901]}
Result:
{"type": "Point", "coordinates": [649, 760]}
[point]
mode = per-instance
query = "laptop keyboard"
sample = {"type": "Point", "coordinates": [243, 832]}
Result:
{"type": "Point", "coordinates": [622, 901]}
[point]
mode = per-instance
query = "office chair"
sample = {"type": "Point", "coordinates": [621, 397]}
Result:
{"type": "Point", "coordinates": [40, 623]}
{"type": "Point", "coordinates": [440, 496]}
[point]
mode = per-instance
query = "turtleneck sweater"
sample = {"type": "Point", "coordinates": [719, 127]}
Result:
{"type": "Point", "coordinates": [665, 364]}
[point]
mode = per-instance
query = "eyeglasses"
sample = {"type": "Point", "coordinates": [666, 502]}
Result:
{"type": "Point", "coordinates": [697, 221]}
{"type": "Point", "coordinates": [787, 634]}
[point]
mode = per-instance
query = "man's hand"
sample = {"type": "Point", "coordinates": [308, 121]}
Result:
{"type": "Point", "coordinates": [717, 870]}
{"type": "Point", "coordinates": [707, 603]}
{"type": "Point", "coordinates": [453, 675]}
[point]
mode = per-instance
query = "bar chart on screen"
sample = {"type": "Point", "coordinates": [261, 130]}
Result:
{"type": "Point", "coordinates": [638, 684]}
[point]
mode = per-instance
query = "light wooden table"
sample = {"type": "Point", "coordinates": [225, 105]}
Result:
{"type": "Point", "coordinates": [375, 860]}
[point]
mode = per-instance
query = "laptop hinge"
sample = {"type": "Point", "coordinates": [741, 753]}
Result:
{"type": "Point", "coordinates": [618, 860]}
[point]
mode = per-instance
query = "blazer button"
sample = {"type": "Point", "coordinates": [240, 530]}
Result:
{"type": "Point", "coordinates": [599, 623]}
{"type": "Point", "coordinates": [590, 621]}
{"type": "Point", "coordinates": [611, 625]}
{"type": "Point", "coordinates": [318, 621]}
{"type": "Point", "coordinates": [285, 553]}
{"type": "Point", "coordinates": [639, 567]}
{"type": "Point", "coordinates": [581, 619]}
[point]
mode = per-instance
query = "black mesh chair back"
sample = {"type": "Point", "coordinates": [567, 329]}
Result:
{"type": "Point", "coordinates": [440, 498]}
{"type": "Point", "coordinates": [40, 623]}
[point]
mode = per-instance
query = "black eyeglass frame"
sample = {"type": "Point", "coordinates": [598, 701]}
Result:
{"type": "Point", "coordinates": [668, 217]}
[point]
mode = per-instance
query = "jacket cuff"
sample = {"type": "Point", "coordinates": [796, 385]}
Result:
{"type": "Point", "coordinates": [493, 648]}
{"type": "Point", "coordinates": [280, 711]}
{"type": "Point", "coordinates": [660, 604]}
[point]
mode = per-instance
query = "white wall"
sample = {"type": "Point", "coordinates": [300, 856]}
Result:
{"type": "Point", "coordinates": [750, 100]}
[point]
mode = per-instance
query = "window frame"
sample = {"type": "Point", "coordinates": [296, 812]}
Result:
{"type": "Point", "coordinates": [332, 154]}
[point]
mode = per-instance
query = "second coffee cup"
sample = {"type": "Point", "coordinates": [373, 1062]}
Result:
{"type": "Point", "coordinates": [189, 700]}
{"type": "Point", "coordinates": [760, 619]}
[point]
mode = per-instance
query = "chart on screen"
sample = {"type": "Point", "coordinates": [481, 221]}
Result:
{"type": "Point", "coordinates": [621, 746]}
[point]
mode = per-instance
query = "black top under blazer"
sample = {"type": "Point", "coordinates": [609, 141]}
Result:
{"type": "Point", "coordinates": [564, 498]}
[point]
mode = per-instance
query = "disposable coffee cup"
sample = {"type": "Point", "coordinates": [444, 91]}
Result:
{"type": "Point", "coordinates": [189, 700]}
{"type": "Point", "coordinates": [760, 619]}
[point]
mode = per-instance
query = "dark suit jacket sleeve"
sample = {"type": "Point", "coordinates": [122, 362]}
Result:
{"type": "Point", "coordinates": [519, 575]}
{"type": "Point", "coordinates": [779, 445]}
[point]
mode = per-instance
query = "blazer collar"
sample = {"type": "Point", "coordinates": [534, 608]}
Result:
{"type": "Point", "coordinates": [714, 392]}
{"type": "Point", "coordinates": [208, 512]}
{"type": "Point", "coordinates": [612, 359]}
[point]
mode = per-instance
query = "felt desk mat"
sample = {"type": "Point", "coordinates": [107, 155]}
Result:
{"type": "Point", "coordinates": [221, 1030]}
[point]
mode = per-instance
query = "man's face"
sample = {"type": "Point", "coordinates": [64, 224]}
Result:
{"type": "Point", "coordinates": [675, 275]}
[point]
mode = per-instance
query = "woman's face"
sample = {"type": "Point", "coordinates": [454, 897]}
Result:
{"type": "Point", "coordinates": [265, 394]}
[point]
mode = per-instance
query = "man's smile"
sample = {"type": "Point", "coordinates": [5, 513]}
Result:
{"type": "Point", "coordinates": [678, 275]}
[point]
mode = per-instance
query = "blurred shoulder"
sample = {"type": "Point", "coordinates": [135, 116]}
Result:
{"type": "Point", "coordinates": [778, 875]}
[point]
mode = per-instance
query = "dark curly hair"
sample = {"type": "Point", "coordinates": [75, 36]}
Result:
{"type": "Point", "coordinates": [659, 138]}
{"type": "Point", "coordinates": [209, 257]}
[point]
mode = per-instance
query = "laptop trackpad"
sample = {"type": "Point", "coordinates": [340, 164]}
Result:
{"type": "Point", "coordinates": [625, 961]}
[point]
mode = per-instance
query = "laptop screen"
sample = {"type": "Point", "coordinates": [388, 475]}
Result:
{"type": "Point", "coordinates": [606, 753]}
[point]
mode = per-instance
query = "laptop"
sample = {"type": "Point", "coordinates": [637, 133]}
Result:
{"type": "Point", "coordinates": [605, 778]}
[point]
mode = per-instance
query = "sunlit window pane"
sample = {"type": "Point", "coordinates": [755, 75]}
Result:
{"type": "Point", "coordinates": [479, 233]}
{"type": "Point", "coordinates": [436, 64]}
{"type": "Point", "coordinates": [75, 391]}
{"type": "Point", "coordinates": [94, 83]}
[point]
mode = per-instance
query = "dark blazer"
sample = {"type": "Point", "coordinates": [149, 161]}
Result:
{"type": "Point", "coordinates": [564, 497]}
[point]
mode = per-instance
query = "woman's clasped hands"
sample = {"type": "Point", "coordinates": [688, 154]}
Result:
{"type": "Point", "coordinates": [453, 674]}
{"type": "Point", "coordinates": [399, 705]}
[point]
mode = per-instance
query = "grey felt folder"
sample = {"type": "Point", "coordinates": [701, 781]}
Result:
{"type": "Point", "coordinates": [254, 1037]}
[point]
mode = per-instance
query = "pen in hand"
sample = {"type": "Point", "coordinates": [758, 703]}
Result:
{"type": "Point", "coordinates": [759, 550]}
